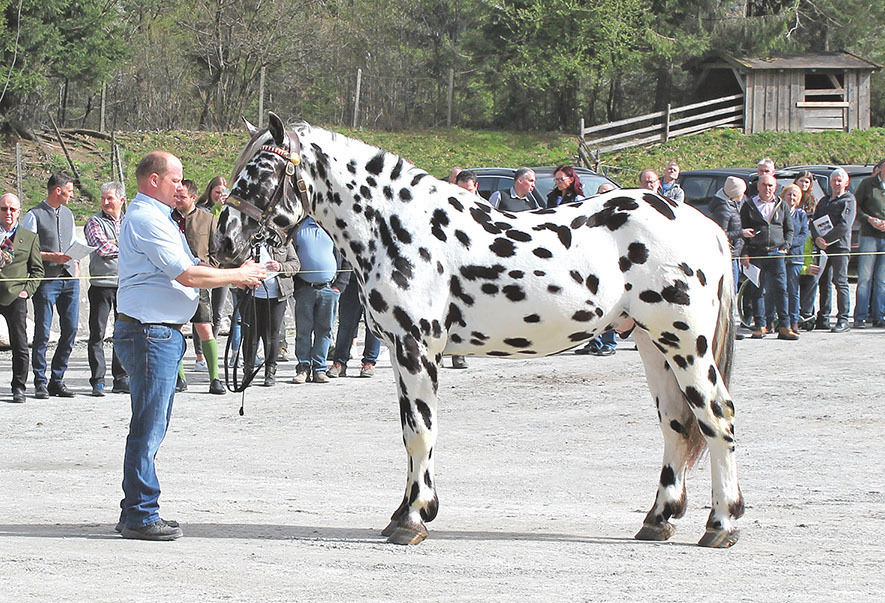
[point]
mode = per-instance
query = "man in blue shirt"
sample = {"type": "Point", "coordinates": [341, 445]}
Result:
{"type": "Point", "coordinates": [156, 296]}
{"type": "Point", "coordinates": [317, 287]}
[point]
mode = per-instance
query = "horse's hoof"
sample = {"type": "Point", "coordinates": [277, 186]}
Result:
{"type": "Point", "coordinates": [655, 531]}
{"type": "Point", "coordinates": [719, 539]}
{"type": "Point", "coordinates": [389, 529]}
{"type": "Point", "coordinates": [405, 535]}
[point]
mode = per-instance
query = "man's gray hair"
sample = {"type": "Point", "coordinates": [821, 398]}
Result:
{"type": "Point", "coordinates": [522, 172]}
{"type": "Point", "coordinates": [766, 162]}
{"type": "Point", "coordinates": [115, 187]}
{"type": "Point", "coordinates": [12, 197]}
{"type": "Point", "coordinates": [840, 172]}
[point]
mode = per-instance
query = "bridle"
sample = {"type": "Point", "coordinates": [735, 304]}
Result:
{"type": "Point", "coordinates": [270, 233]}
{"type": "Point", "coordinates": [267, 231]}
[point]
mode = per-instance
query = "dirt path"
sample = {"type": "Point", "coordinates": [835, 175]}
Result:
{"type": "Point", "coordinates": [545, 470]}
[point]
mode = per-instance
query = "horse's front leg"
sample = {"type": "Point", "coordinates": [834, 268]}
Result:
{"type": "Point", "coordinates": [416, 376]}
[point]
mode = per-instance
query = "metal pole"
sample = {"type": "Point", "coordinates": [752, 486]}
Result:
{"type": "Point", "coordinates": [667, 123]}
{"type": "Point", "coordinates": [261, 96]}
{"type": "Point", "coordinates": [356, 98]}
{"type": "Point", "coordinates": [451, 97]}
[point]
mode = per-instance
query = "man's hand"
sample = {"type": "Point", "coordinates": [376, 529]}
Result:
{"type": "Point", "coordinates": [250, 274]}
{"type": "Point", "coordinates": [821, 243]}
{"type": "Point", "coordinates": [745, 260]}
{"type": "Point", "coordinates": [56, 256]}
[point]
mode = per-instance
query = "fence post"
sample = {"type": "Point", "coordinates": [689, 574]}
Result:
{"type": "Point", "coordinates": [356, 97]}
{"type": "Point", "coordinates": [667, 123]}
{"type": "Point", "coordinates": [261, 96]}
{"type": "Point", "coordinates": [18, 170]}
{"type": "Point", "coordinates": [101, 111]}
{"type": "Point", "coordinates": [451, 97]}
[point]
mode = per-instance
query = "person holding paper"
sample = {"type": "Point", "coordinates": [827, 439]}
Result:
{"type": "Point", "coordinates": [769, 236]}
{"type": "Point", "coordinates": [102, 231]}
{"type": "Point", "coordinates": [831, 230]}
{"type": "Point", "coordinates": [54, 224]}
{"type": "Point", "coordinates": [870, 300]}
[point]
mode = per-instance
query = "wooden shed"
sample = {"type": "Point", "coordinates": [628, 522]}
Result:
{"type": "Point", "coordinates": [798, 93]}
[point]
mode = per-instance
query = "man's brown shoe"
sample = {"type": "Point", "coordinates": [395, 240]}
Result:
{"type": "Point", "coordinates": [786, 333]}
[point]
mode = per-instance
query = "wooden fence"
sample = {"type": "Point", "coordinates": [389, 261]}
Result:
{"type": "Point", "coordinates": [727, 111]}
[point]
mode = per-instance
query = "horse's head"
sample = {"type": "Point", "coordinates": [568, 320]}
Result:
{"type": "Point", "coordinates": [267, 197]}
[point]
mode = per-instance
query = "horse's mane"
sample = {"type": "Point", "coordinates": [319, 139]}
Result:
{"type": "Point", "coordinates": [260, 138]}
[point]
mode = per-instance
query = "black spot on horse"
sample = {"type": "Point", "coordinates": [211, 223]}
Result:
{"type": "Point", "coordinates": [677, 293]}
{"type": "Point", "coordinates": [463, 238]}
{"type": "Point", "coordinates": [399, 231]}
{"type": "Point", "coordinates": [711, 376]}
{"type": "Point", "coordinates": [365, 192]}
{"type": "Point", "coordinates": [686, 269]}
{"type": "Point", "coordinates": [542, 253]}
{"type": "Point", "coordinates": [489, 288]}
{"type": "Point", "coordinates": [650, 297]}
{"type": "Point", "coordinates": [376, 300]}
{"type": "Point", "coordinates": [694, 397]}
{"type": "Point", "coordinates": [454, 316]}
{"type": "Point", "coordinates": [518, 342]}
{"type": "Point", "coordinates": [438, 220]}
{"type": "Point", "coordinates": [418, 177]}
{"type": "Point", "coordinates": [474, 271]}
{"type": "Point", "coordinates": [532, 318]}
{"type": "Point", "coordinates": [680, 325]}
{"type": "Point", "coordinates": [424, 253]}
{"type": "Point", "coordinates": [503, 248]}
{"type": "Point", "coordinates": [702, 345]}
{"type": "Point", "coordinates": [668, 476]}
{"type": "Point", "coordinates": [397, 169]}
{"type": "Point", "coordinates": [518, 235]}
{"type": "Point", "coordinates": [513, 292]}
{"type": "Point", "coordinates": [670, 339]}
{"type": "Point", "coordinates": [706, 429]}
{"type": "Point", "coordinates": [539, 272]}
{"type": "Point", "coordinates": [553, 289]}
{"type": "Point", "coordinates": [680, 361]}
{"type": "Point", "coordinates": [405, 195]}
{"type": "Point", "coordinates": [702, 278]}
{"type": "Point", "coordinates": [376, 164]}
{"type": "Point", "coordinates": [576, 276]}
{"type": "Point", "coordinates": [516, 274]}
{"type": "Point", "coordinates": [676, 426]}
{"type": "Point", "coordinates": [453, 201]}
{"type": "Point", "coordinates": [583, 315]}
{"type": "Point", "coordinates": [637, 253]}
{"type": "Point", "coordinates": [624, 264]}
{"type": "Point", "coordinates": [660, 204]}
{"type": "Point", "coordinates": [457, 291]}
{"type": "Point", "coordinates": [580, 336]}
{"type": "Point", "coordinates": [498, 353]}
{"type": "Point", "coordinates": [578, 222]}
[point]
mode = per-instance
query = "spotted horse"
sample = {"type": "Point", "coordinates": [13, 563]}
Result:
{"type": "Point", "coordinates": [440, 271]}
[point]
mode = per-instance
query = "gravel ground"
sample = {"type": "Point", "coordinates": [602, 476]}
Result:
{"type": "Point", "coordinates": [545, 470]}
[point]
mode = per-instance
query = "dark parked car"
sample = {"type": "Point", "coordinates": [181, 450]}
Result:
{"type": "Point", "coordinates": [700, 186]}
{"type": "Point", "coordinates": [493, 179]}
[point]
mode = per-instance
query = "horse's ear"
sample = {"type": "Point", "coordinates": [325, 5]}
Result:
{"type": "Point", "coordinates": [276, 128]}
{"type": "Point", "coordinates": [252, 129]}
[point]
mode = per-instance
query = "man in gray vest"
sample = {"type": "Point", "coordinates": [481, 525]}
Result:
{"type": "Point", "coordinates": [102, 231]}
{"type": "Point", "coordinates": [54, 224]}
{"type": "Point", "coordinates": [519, 197]}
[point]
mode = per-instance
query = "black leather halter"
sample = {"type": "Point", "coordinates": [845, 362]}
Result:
{"type": "Point", "coordinates": [267, 230]}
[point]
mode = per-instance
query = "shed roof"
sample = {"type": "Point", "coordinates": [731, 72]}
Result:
{"type": "Point", "coordinates": [824, 60]}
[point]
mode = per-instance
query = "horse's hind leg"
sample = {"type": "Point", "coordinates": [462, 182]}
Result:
{"type": "Point", "coordinates": [690, 358]}
{"type": "Point", "coordinates": [683, 443]}
{"type": "Point", "coordinates": [416, 377]}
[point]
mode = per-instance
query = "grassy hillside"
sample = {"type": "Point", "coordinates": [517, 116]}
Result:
{"type": "Point", "coordinates": [206, 154]}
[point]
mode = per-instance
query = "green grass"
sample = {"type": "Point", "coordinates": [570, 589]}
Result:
{"type": "Point", "coordinates": [207, 154]}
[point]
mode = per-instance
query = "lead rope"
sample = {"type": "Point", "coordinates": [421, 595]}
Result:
{"type": "Point", "coordinates": [248, 320]}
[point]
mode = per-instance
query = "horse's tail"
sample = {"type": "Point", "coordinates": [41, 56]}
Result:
{"type": "Point", "coordinates": [723, 355]}
{"type": "Point", "coordinates": [723, 336]}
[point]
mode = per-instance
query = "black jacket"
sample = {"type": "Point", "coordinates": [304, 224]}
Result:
{"type": "Point", "coordinates": [772, 235]}
{"type": "Point", "coordinates": [726, 214]}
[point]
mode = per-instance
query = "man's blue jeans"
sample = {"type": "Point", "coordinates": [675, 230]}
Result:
{"type": "Point", "coordinates": [773, 279]}
{"type": "Point", "coordinates": [314, 315]}
{"type": "Point", "coordinates": [870, 280]}
{"type": "Point", "coordinates": [350, 310]}
{"type": "Point", "coordinates": [150, 354]}
{"type": "Point", "coordinates": [64, 295]}
{"type": "Point", "coordinates": [793, 299]}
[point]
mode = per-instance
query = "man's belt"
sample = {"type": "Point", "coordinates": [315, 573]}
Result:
{"type": "Point", "coordinates": [171, 325]}
{"type": "Point", "coordinates": [322, 285]}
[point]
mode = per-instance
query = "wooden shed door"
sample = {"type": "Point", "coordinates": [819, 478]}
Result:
{"type": "Point", "coordinates": [825, 101]}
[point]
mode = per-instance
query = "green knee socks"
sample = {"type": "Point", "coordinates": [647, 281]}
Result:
{"type": "Point", "coordinates": [210, 352]}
